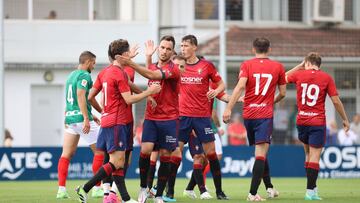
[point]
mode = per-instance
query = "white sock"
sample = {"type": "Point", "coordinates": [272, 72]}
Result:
{"type": "Point", "coordinates": [62, 189]}
{"type": "Point", "coordinates": [310, 192]}
{"type": "Point", "coordinates": [106, 187]}
{"type": "Point", "coordinates": [315, 190]}
{"type": "Point", "coordinates": [114, 188]}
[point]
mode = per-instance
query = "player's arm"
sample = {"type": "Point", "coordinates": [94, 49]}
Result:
{"type": "Point", "coordinates": [150, 49]}
{"type": "Point", "coordinates": [81, 96]}
{"type": "Point", "coordinates": [93, 101]}
{"type": "Point", "coordinates": [226, 98]}
{"type": "Point", "coordinates": [137, 90]}
{"type": "Point", "coordinates": [149, 74]}
{"type": "Point", "coordinates": [130, 99]}
{"type": "Point", "coordinates": [340, 109]}
{"type": "Point", "coordinates": [220, 88]}
{"type": "Point", "coordinates": [300, 66]}
{"type": "Point", "coordinates": [240, 87]}
{"type": "Point", "coordinates": [281, 95]}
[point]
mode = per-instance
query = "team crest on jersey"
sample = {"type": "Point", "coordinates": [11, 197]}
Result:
{"type": "Point", "coordinates": [199, 71]}
{"type": "Point", "coordinates": [84, 83]}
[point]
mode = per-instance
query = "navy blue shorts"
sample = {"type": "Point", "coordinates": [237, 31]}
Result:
{"type": "Point", "coordinates": [259, 130]}
{"type": "Point", "coordinates": [195, 146]}
{"type": "Point", "coordinates": [162, 133]}
{"type": "Point", "coordinates": [116, 138]}
{"type": "Point", "coordinates": [201, 126]}
{"type": "Point", "coordinates": [315, 136]}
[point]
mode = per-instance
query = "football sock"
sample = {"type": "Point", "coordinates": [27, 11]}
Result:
{"type": "Point", "coordinates": [144, 163]}
{"type": "Point", "coordinates": [96, 165]}
{"type": "Point", "coordinates": [174, 165]}
{"type": "Point", "coordinates": [266, 176]}
{"type": "Point", "coordinates": [151, 174]}
{"type": "Point", "coordinates": [63, 167]}
{"type": "Point", "coordinates": [312, 174]}
{"type": "Point", "coordinates": [215, 171]}
{"type": "Point", "coordinates": [198, 175]}
{"type": "Point", "coordinates": [104, 171]}
{"type": "Point", "coordinates": [257, 173]}
{"type": "Point", "coordinates": [119, 179]}
{"type": "Point", "coordinates": [163, 175]}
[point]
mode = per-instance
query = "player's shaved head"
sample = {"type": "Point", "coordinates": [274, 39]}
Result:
{"type": "Point", "coordinates": [168, 38]}
{"type": "Point", "coordinates": [191, 39]}
{"type": "Point", "coordinates": [261, 45]}
{"type": "Point", "coordinates": [314, 59]}
{"type": "Point", "coordinates": [118, 47]}
{"type": "Point", "coordinates": [85, 56]}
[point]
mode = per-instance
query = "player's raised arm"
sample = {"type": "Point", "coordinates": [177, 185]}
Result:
{"type": "Point", "coordinates": [300, 66]}
{"type": "Point", "coordinates": [150, 49]}
{"type": "Point", "coordinates": [150, 74]}
{"type": "Point", "coordinates": [240, 87]}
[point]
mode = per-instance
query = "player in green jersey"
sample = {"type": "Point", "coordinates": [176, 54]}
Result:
{"type": "Point", "coordinates": [79, 122]}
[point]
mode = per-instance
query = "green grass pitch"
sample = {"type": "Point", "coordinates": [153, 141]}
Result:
{"type": "Point", "coordinates": [291, 190]}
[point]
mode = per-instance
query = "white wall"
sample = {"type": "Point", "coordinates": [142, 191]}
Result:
{"type": "Point", "coordinates": [62, 41]}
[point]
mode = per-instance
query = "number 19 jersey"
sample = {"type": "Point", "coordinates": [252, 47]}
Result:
{"type": "Point", "coordinates": [78, 79]}
{"type": "Point", "coordinates": [312, 86]}
{"type": "Point", "coordinates": [263, 76]}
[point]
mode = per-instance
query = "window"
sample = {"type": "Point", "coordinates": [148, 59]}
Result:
{"type": "Point", "coordinates": [206, 9]}
{"type": "Point", "coordinates": [295, 10]}
{"type": "Point", "coordinates": [61, 9]}
{"type": "Point", "coordinates": [15, 9]}
{"type": "Point", "coordinates": [234, 9]}
{"type": "Point", "coordinates": [106, 9]}
{"type": "Point", "coordinates": [345, 78]}
{"type": "Point", "coordinates": [349, 10]}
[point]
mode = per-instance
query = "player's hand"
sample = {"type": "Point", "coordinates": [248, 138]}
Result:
{"type": "Point", "coordinates": [150, 48]}
{"type": "Point", "coordinates": [211, 94]}
{"type": "Point", "coordinates": [346, 125]}
{"type": "Point", "coordinates": [134, 51]}
{"type": "Point", "coordinates": [97, 120]}
{"type": "Point", "coordinates": [86, 126]}
{"type": "Point", "coordinates": [301, 66]}
{"type": "Point", "coordinates": [226, 116]}
{"type": "Point", "coordinates": [154, 89]}
{"type": "Point", "coordinates": [221, 131]}
{"type": "Point", "coordinates": [124, 60]}
{"type": "Point", "coordinates": [152, 101]}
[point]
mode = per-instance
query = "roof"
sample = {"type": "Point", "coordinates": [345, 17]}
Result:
{"type": "Point", "coordinates": [289, 42]}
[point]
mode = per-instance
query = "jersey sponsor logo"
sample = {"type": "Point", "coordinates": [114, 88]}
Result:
{"type": "Point", "coordinates": [338, 162]}
{"type": "Point", "coordinates": [191, 80]}
{"type": "Point", "coordinates": [84, 83]}
{"type": "Point", "coordinates": [257, 105]}
{"type": "Point", "coordinates": [73, 113]}
{"type": "Point", "coordinates": [15, 164]}
{"type": "Point", "coordinates": [303, 113]}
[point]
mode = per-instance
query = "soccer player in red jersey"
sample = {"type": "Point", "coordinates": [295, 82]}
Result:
{"type": "Point", "coordinates": [161, 122]}
{"type": "Point", "coordinates": [312, 86]}
{"type": "Point", "coordinates": [116, 123]}
{"type": "Point", "coordinates": [194, 106]}
{"type": "Point", "coordinates": [259, 77]}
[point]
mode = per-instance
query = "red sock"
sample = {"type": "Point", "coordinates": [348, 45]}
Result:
{"type": "Point", "coordinates": [205, 171]}
{"type": "Point", "coordinates": [97, 163]}
{"type": "Point", "coordinates": [63, 167]}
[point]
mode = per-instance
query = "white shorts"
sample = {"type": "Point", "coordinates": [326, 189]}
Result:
{"type": "Point", "coordinates": [76, 129]}
{"type": "Point", "coordinates": [218, 145]}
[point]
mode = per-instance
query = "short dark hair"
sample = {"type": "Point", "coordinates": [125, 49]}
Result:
{"type": "Point", "coordinates": [191, 38]}
{"type": "Point", "coordinates": [178, 57]}
{"type": "Point", "coordinates": [86, 55]}
{"type": "Point", "coordinates": [314, 58]}
{"type": "Point", "coordinates": [261, 45]}
{"type": "Point", "coordinates": [168, 38]}
{"type": "Point", "coordinates": [118, 47]}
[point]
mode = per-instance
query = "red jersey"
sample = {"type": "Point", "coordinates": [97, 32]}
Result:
{"type": "Point", "coordinates": [312, 87]}
{"type": "Point", "coordinates": [168, 98]}
{"type": "Point", "coordinates": [263, 76]}
{"type": "Point", "coordinates": [113, 81]}
{"type": "Point", "coordinates": [194, 84]}
{"type": "Point", "coordinates": [130, 72]}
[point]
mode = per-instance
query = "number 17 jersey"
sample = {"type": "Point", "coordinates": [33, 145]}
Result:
{"type": "Point", "coordinates": [263, 75]}
{"type": "Point", "coordinates": [312, 86]}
